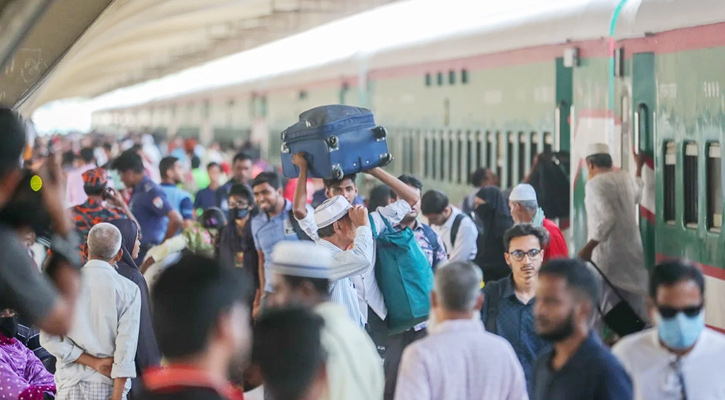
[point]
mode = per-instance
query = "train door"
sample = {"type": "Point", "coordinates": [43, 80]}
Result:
{"type": "Point", "coordinates": [562, 126]}
{"type": "Point", "coordinates": [643, 128]}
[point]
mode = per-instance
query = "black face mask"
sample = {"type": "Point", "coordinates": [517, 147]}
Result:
{"type": "Point", "coordinates": [240, 213]}
{"type": "Point", "coordinates": [9, 327]}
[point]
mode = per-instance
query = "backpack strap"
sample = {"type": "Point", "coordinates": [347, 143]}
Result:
{"type": "Point", "coordinates": [432, 239]}
{"type": "Point", "coordinates": [493, 300]}
{"type": "Point", "coordinates": [456, 227]}
{"type": "Point", "coordinates": [372, 227]}
{"type": "Point", "coordinates": [301, 235]}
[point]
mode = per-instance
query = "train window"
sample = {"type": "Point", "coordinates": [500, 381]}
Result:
{"type": "Point", "coordinates": [690, 181]}
{"type": "Point", "coordinates": [464, 76]}
{"type": "Point", "coordinates": [714, 188]}
{"type": "Point", "coordinates": [428, 80]}
{"type": "Point", "coordinates": [470, 155]}
{"type": "Point", "coordinates": [440, 79]}
{"type": "Point", "coordinates": [500, 144]}
{"type": "Point", "coordinates": [669, 182]}
{"type": "Point", "coordinates": [534, 150]}
{"type": "Point", "coordinates": [459, 156]}
{"type": "Point", "coordinates": [510, 158]}
{"type": "Point", "coordinates": [426, 148]}
{"type": "Point", "coordinates": [442, 154]}
{"type": "Point", "coordinates": [548, 142]}
{"type": "Point", "coordinates": [481, 140]}
{"type": "Point", "coordinates": [434, 156]}
{"type": "Point", "coordinates": [451, 77]}
{"type": "Point", "coordinates": [522, 157]}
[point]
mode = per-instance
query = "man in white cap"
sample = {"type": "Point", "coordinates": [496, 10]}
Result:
{"type": "Point", "coordinates": [344, 231]}
{"type": "Point", "coordinates": [302, 274]}
{"type": "Point", "coordinates": [525, 210]}
{"type": "Point", "coordinates": [615, 244]}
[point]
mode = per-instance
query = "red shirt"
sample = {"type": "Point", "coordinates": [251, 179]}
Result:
{"type": "Point", "coordinates": [557, 247]}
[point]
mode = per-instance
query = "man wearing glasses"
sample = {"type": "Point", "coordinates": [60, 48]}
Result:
{"type": "Point", "coordinates": [680, 358]}
{"type": "Point", "coordinates": [508, 304]}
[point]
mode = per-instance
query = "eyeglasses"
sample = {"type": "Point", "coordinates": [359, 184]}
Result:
{"type": "Point", "coordinates": [518, 255]}
{"type": "Point", "coordinates": [670, 312]}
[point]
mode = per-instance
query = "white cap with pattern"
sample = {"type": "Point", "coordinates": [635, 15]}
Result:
{"type": "Point", "coordinates": [596, 148]}
{"type": "Point", "coordinates": [331, 210]}
{"type": "Point", "coordinates": [523, 192]}
{"type": "Point", "coordinates": [301, 258]}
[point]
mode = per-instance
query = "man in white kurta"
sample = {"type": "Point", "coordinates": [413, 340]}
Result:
{"type": "Point", "coordinates": [614, 241]}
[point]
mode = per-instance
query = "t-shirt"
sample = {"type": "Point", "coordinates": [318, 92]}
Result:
{"type": "Point", "coordinates": [22, 287]}
{"type": "Point", "coordinates": [206, 198]}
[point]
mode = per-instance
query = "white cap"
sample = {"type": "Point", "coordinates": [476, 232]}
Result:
{"type": "Point", "coordinates": [301, 258]}
{"type": "Point", "coordinates": [596, 148]}
{"type": "Point", "coordinates": [523, 192]}
{"type": "Point", "coordinates": [331, 210]}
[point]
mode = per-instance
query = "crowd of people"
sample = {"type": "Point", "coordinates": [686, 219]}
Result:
{"type": "Point", "coordinates": [139, 269]}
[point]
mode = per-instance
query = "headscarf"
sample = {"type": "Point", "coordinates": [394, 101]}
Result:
{"type": "Point", "coordinates": [129, 233]}
{"type": "Point", "coordinates": [496, 217]}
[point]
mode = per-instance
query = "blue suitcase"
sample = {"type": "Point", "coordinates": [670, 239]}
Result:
{"type": "Point", "coordinates": [338, 140]}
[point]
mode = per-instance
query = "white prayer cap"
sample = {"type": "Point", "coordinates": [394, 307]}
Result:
{"type": "Point", "coordinates": [523, 192]}
{"type": "Point", "coordinates": [596, 148]}
{"type": "Point", "coordinates": [331, 210]}
{"type": "Point", "coordinates": [301, 258]}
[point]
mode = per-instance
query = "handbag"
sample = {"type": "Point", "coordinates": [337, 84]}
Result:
{"type": "Point", "coordinates": [622, 318]}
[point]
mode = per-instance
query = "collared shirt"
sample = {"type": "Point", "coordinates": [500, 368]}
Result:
{"type": "Point", "coordinates": [610, 200]}
{"type": "Point", "coordinates": [515, 323]}
{"type": "Point", "coordinates": [354, 369]}
{"type": "Point", "coordinates": [74, 192]}
{"type": "Point", "coordinates": [346, 264]}
{"type": "Point", "coordinates": [179, 199]}
{"type": "Point", "coordinates": [267, 232]}
{"type": "Point", "coordinates": [654, 369]}
{"type": "Point", "coordinates": [90, 213]}
{"type": "Point", "coordinates": [366, 285]}
{"type": "Point", "coordinates": [459, 360]}
{"type": "Point", "coordinates": [592, 373]}
{"type": "Point", "coordinates": [151, 208]}
{"type": "Point", "coordinates": [106, 324]}
{"type": "Point", "coordinates": [465, 248]}
{"type": "Point", "coordinates": [22, 375]}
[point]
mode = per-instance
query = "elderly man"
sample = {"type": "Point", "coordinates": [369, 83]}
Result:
{"type": "Point", "coordinates": [615, 244]}
{"type": "Point", "coordinates": [459, 360]}
{"type": "Point", "coordinates": [302, 272]}
{"type": "Point", "coordinates": [96, 358]}
{"type": "Point", "coordinates": [525, 210]}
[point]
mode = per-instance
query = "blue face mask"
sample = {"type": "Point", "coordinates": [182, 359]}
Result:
{"type": "Point", "coordinates": [680, 332]}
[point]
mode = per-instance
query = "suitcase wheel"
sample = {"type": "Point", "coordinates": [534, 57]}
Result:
{"type": "Point", "coordinates": [332, 142]}
{"type": "Point", "coordinates": [385, 159]}
{"type": "Point", "coordinates": [337, 172]}
{"type": "Point", "coordinates": [285, 148]}
{"type": "Point", "coordinates": [380, 133]}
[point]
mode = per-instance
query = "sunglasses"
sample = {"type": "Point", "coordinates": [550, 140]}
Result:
{"type": "Point", "coordinates": [670, 312]}
{"type": "Point", "coordinates": [519, 255]}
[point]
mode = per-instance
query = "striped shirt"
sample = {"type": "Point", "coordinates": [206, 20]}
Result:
{"type": "Point", "coordinates": [346, 264]}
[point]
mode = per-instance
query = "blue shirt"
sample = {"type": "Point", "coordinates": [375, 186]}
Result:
{"type": "Point", "coordinates": [267, 232]}
{"type": "Point", "coordinates": [205, 199]}
{"type": "Point", "coordinates": [150, 207]}
{"type": "Point", "coordinates": [515, 323]}
{"type": "Point", "coordinates": [592, 373]}
{"type": "Point", "coordinates": [180, 199]}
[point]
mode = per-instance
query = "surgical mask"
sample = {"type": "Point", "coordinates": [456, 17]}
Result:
{"type": "Point", "coordinates": [240, 213]}
{"type": "Point", "coordinates": [680, 332]}
{"type": "Point", "coordinates": [9, 327]}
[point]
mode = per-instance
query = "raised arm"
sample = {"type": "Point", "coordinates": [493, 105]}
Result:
{"type": "Point", "coordinates": [360, 258]}
{"type": "Point", "coordinates": [402, 190]}
{"type": "Point", "coordinates": [299, 206]}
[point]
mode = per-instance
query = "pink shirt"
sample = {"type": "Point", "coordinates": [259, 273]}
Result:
{"type": "Point", "coordinates": [23, 375]}
{"type": "Point", "coordinates": [459, 360]}
{"type": "Point", "coordinates": [74, 193]}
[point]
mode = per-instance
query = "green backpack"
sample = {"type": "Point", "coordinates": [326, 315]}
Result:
{"type": "Point", "coordinates": [404, 275]}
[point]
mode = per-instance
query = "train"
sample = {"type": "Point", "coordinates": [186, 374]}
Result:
{"type": "Point", "coordinates": [528, 77]}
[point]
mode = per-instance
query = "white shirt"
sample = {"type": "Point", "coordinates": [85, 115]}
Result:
{"type": "Point", "coordinates": [460, 361]}
{"type": "Point", "coordinates": [354, 368]}
{"type": "Point", "coordinates": [346, 264]}
{"type": "Point", "coordinates": [366, 285]}
{"type": "Point", "coordinates": [610, 200]}
{"type": "Point", "coordinates": [648, 364]}
{"type": "Point", "coordinates": [465, 248]}
{"type": "Point", "coordinates": [106, 324]}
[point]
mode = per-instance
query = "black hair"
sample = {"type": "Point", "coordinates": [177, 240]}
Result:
{"type": "Point", "coordinates": [577, 275]}
{"type": "Point", "coordinates": [670, 272]}
{"type": "Point", "coordinates": [67, 158]}
{"type": "Point", "coordinates": [267, 177]}
{"type": "Point", "coordinates": [107, 146]}
{"type": "Point", "coordinates": [321, 285]}
{"type": "Point", "coordinates": [87, 155]}
{"type": "Point", "coordinates": [287, 347]}
{"type": "Point", "coordinates": [600, 160]}
{"type": "Point", "coordinates": [213, 218]}
{"type": "Point", "coordinates": [379, 197]}
{"type": "Point", "coordinates": [13, 140]}
{"type": "Point", "coordinates": [329, 230]}
{"type": "Point", "coordinates": [212, 165]}
{"type": "Point", "coordinates": [242, 190]}
{"type": "Point", "coordinates": [521, 230]}
{"type": "Point", "coordinates": [129, 160]}
{"type": "Point", "coordinates": [479, 176]}
{"type": "Point", "coordinates": [195, 162]}
{"type": "Point", "coordinates": [166, 164]}
{"type": "Point", "coordinates": [332, 182]}
{"type": "Point", "coordinates": [188, 300]}
{"type": "Point", "coordinates": [433, 202]}
{"type": "Point", "coordinates": [411, 180]}
{"type": "Point", "coordinates": [242, 157]}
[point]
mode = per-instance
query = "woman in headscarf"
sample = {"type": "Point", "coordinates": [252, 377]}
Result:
{"type": "Point", "coordinates": [492, 210]}
{"type": "Point", "coordinates": [236, 244]}
{"type": "Point", "coordinates": [147, 352]}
